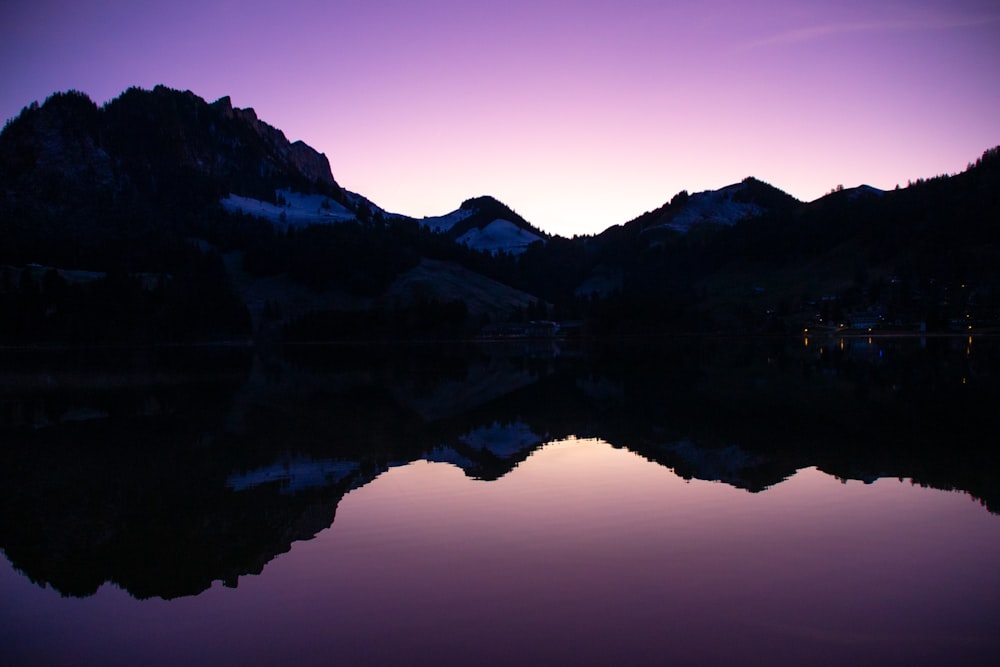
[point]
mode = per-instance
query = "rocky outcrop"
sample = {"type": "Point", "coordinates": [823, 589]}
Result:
{"type": "Point", "coordinates": [299, 156]}
{"type": "Point", "coordinates": [159, 145]}
{"type": "Point", "coordinates": [311, 163]}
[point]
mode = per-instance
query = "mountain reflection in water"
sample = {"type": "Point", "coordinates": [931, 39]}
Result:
{"type": "Point", "coordinates": [472, 523]}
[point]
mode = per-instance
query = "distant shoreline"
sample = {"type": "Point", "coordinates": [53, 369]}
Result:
{"type": "Point", "coordinates": [250, 344]}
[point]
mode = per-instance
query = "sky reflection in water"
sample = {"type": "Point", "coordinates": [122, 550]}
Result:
{"type": "Point", "coordinates": [583, 554]}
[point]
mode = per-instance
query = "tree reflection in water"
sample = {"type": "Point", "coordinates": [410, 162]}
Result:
{"type": "Point", "coordinates": [167, 470]}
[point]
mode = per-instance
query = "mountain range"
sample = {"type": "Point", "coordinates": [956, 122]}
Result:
{"type": "Point", "coordinates": [160, 216]}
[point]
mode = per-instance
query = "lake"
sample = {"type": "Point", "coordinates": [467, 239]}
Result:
{"type": "Point", "coordinates": [694, 501]}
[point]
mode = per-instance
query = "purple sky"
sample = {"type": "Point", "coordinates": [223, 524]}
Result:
{"type": "Point", "coordinates": [579, 115]}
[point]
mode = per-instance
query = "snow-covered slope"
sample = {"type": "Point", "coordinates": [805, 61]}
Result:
{"type": "Point", "coordinates": [864, 191]}
{"type": "Point", "coordinates": [507, 441]}
{"type": "Point", "coordinates": [484, 223]}
{"type": "Point", "coordinates": [442, 223]}
{"type": "Point", "coordinates": [503, 440]}
{"type": "Point", "coordinates": [294, 474]}
{"type": "Point", "coordinates": [294, 209]}
{"type": "Point", "coordinates": [849, 194]}
{"type": "Point", "coordinates": [499, 235]}
{"type": "Point", "coordinates": [715, 207]}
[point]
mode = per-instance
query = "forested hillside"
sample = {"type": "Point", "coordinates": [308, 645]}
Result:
{"type": "Point", "coordinates": [112, 230]}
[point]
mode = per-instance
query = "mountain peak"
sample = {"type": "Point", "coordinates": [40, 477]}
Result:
{"type": "Point", "coordinates": [725, 207]}
{"type": "Point", "coordinates": [480, 201]}
{"type": "Point", "coordinates": [77, 170]}
{"type": "Point", "coordinates": [227, 143]}
{"type": "Point", "coordinates": [485, 223]}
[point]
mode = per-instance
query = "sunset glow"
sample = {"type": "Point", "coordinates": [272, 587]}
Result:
{"type": "Point", "coordinates": [579, 116]}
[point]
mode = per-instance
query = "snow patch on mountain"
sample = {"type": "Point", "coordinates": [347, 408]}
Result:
{"type": "Point", "coordinates": [726, 464]}
{"type": "Point", "coordinates": [442, 223]}
{"type": "Point", "coordinates": [499, 235]}
{"type": "Point", "coordinates": [293, 209]}
{"type": "Point", "coordinates": [448, 455]}
{"type": "Point", "coordinates": [864, 190]}
{"type": "Point", "coordinates": [294, 474]}
{"type": "Point", "coordinates": [356, 201]}
{"type": "Point", "coordinates": [714, 207]}
{"type": "Point", "coordinates": [502, 440]}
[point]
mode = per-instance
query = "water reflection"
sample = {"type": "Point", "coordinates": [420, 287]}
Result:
{"type": "Point", "coordinates": [586, 554]}
{"type": "Point", "coordinates": [641, 567]}
{"type": "Point", "coordinates": [162, 471]}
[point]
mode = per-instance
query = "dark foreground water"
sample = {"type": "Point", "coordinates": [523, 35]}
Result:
{"type": "Point", "coordinates": [692, 502]}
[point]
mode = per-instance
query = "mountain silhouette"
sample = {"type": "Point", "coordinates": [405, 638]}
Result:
{"type": "Point", "coordinates": [115, 220]}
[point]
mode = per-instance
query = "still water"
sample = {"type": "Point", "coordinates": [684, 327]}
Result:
{"type": "Point", "coordinates": [718, 506]}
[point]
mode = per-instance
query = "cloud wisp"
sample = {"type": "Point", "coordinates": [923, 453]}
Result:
{"type": "Point", "coordinates": [817, 32]}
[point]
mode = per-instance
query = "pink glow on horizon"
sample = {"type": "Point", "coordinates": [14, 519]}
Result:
{"type": "Point", "coordinates": [578, 118]}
